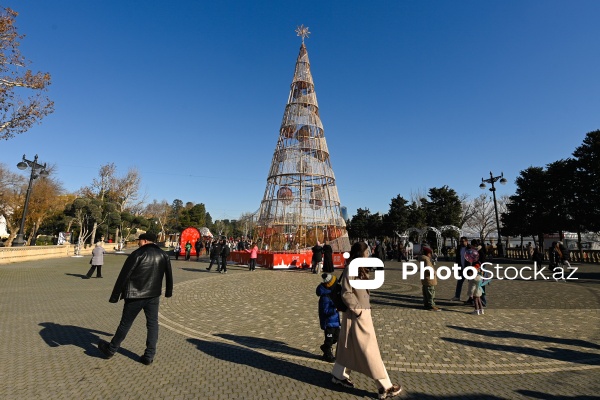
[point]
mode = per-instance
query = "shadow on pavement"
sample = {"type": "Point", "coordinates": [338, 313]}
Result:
{"type": "Point", "coordinates": [195, 269]}
{"type": "Point", "coordinates": [554, 353]}
{"type": "Point", "coordinates": [240, 355]}
{"type": "Point", "coordinates": [267, 344]}
{"type": "Point", "coordinates": [82, 276]}
{"type": "Point", "coordinates": [410, 301]}
{"type": "Point", "coordinates": [64, 335]}
{"type": "Point", "coordinates": [527, 336]}
{"type": "Point", "coordinates": [547, 396]}
{"type": "Point", "coordinates": [472, 396]}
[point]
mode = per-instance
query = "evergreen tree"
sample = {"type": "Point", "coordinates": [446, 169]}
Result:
{"type": "Point", "coordinates": [396, 220]}
{"type": "Point", "coordinates": [587, 177]}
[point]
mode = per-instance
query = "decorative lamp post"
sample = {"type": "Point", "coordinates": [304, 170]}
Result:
{"type": "Point", "coordinates": [37, 170]}
{"type": "Point", "coordinates": [491, 181]}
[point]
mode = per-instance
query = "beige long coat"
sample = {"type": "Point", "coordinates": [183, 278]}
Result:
{"type": "Point", "coordinates": [357, 348]}
{"type": "Point", "coordinates": [427, 281]}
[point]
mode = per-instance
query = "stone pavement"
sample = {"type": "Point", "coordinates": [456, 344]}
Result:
{"type": "Point", "coordinates": [255, 335]}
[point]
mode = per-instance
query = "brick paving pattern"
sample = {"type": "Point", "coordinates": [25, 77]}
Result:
{"type": "Point", "coordinates": [246, 335]}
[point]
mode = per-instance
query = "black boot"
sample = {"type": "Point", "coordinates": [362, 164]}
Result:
{"type": "Point", "coordinates": [327, 353]}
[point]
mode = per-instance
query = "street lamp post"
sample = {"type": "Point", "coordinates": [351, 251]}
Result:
{"type": "Point", "coordinates": [491, 181]}
{"type": "Point", "coordinates": [37, 170]}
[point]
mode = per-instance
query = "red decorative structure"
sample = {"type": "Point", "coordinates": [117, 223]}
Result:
{"type": "Point", "coordinates": [191, 235]}
{"type": "Point", "coordinates": [282, 260]}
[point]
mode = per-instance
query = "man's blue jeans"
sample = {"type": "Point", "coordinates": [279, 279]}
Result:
{"type": "Point", "coordinates": [131, 309]}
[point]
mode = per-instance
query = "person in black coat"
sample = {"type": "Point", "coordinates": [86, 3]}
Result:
{"type": "Point", "coordinates": [215, 251]}
{"type": "Point", "coordinates": [379, 251]}
{"type": "Point", "coordinates": [327, 258]}
{"type": "Point", "coordinates": [140, 285]}
{"type": "Point", "coordinates": [198, 246]}
{"type": "Point", "coordinates": [224, 255]}
{"type": "Point", "coordinates": [317, 256]}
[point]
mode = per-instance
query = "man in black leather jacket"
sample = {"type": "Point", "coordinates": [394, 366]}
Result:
{"type": "Point", "coordinates": [140, 284]}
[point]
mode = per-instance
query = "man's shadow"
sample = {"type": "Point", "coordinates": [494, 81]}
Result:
{"type": "Point", "coordinates": [277, 366]}
{"type": "Point", "coordinates": [69, 335]}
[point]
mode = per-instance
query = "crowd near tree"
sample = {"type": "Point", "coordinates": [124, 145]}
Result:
{"type": "Point", "coordinates": [563, 196]}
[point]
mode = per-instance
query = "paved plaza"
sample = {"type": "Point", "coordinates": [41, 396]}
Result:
{"type": "Point", "coordinates": [255, 335]}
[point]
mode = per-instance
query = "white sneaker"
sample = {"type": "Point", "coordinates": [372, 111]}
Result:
{"type": "Point", "coordinates": [482, 311]}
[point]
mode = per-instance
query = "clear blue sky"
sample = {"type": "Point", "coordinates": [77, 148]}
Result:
{"type": "Point", "coordinates": [412, 94]}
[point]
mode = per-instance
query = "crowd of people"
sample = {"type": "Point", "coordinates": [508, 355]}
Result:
{"type": "Point", "coordinates": [346, 323]}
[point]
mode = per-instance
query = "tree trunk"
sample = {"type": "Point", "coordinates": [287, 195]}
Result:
{"type": "Point", "coordinates": [32, 235]}
{"type": "Point", "coordinates": [12, 235]}
{"type": "Point", "coordinates": [93, 235]}
{"type": "Point", "coordinates": [541, 240]}
{"type": "Point", "coordinates": [579, 247]}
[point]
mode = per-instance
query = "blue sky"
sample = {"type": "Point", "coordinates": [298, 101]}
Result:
{"type": "Point", "coordinates": [412, 94]}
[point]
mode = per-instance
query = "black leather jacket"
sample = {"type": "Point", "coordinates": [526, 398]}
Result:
{"type": "Point", "coordinates": [142, 274]}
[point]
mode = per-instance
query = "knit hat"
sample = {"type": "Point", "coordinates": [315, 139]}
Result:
{"type": "Point", "coordinates": [426, 251]}
{"type": "Point", "coordinates": [328, 280]}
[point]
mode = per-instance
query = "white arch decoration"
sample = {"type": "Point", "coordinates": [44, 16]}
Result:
{"type": "Point", "coordinates": [413, 229]}
{"type": "Point", "coordinates": [452, 228]}
{"type": "Point", "coordinates": [438, 233]}
{"type": "Point", "coordinates": [438, 236]}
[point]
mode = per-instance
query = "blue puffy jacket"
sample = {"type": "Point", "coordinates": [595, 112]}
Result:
{"type": "Point", "coordinates": [328, 315]}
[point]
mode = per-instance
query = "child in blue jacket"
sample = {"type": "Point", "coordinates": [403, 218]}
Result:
{"type": "Point", "coordinates": [329, 318]}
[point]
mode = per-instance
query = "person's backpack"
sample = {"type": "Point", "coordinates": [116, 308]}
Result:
{"type": "Point", "coordinates": [336, 295]}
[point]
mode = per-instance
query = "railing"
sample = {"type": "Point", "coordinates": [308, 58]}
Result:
{"type": "Point", "coordinates": [583, 256]}
{"type": "Point", "coordinates": [27, 253]}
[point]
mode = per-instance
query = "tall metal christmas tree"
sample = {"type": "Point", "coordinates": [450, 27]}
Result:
{"type": "Point", "coordinates": [301, 203]}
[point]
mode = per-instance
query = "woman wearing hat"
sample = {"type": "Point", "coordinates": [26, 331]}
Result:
{"type": "Point", "coordinates": [357, 349]}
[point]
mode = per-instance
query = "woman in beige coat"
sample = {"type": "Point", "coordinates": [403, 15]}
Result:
{"type": "Point", "coordinates": [357, 348]}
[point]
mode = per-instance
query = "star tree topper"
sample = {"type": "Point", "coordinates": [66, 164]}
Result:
{"type": "Point", "coordinates": [302, 31]}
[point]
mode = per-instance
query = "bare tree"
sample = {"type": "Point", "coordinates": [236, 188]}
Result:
{"type": "Point", "coordinates": [47, 198]}
{"type": "Point", "coordinates": [418, 196]}
{"type": "Point", "coordinates": [467, 210]}
{"type": "Point", "coordinates": [160, 212]}
{"type": "Point", "coordinates": [482, 219]}
{"type": "Point", "coordinates": [17, 114]}
{"type": "Point", "coordinates": [122, 191]}
{"type": "Point", "coordinates": [246, 222]}
{"type": "Point", "coordinates": [125, 191]}
{"type": "Point", "coordinates": [219, 227]}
